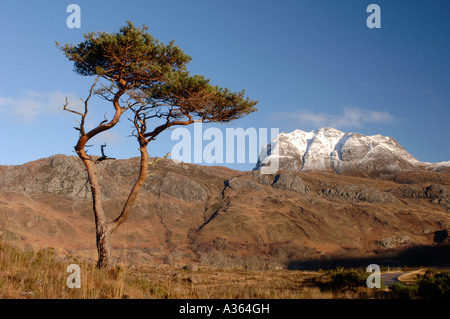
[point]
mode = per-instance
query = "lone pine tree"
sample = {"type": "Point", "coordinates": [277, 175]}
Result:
{"type": "Point", "coordinates": [137, 73]}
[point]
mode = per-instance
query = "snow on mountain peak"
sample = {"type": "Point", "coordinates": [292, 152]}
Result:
{"type": "Point", "coordinates": [330, 149]}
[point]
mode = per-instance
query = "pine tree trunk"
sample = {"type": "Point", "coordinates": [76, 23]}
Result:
{"type": "Point", "coordinates": [103, 228]}
{"type": "Point", "coordinates": [105, 259]}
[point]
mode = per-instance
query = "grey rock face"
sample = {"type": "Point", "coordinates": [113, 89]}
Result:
{"type": "Point", "coordinates": [183, 188]}
{"type": "Point", "coordinates": [408, 191]}
{"type": "Point", "coordinates": [58, 174]}
{"type": "Point", "coordinates": [290, 158]}
{"type": "Point", "coordinates": [363, 194]}
{"type": "Point", "coordinates": [436, 192]}
{"type": "Point", "coordinates": [263, 179]}
{"type": "Point", "coordinates": [378, 162]}
{"type": "Point", "coordinates": [394, 242]}
{"type": "Point", "coordinates": [354, 148]}
{"type": "Point", "coordinates": [66, 175]}
{"type": "Point", "coordinates": [238, 182]}
{"type": "Point", "coordinates": [374, 196]}
{"type": "Point", "coordinates": [289, 181]}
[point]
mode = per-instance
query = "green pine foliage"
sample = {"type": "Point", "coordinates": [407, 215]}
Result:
{"type": "Point", "coordinates": [154, 75]}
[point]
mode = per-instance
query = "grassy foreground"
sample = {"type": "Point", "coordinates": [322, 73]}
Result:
{"type": "Point", "coordinates": [43, 275]}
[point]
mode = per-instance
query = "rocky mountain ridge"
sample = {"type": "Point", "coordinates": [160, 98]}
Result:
{"type": "Point", "coordinates": [222, 217]}
{"type": "Point", "coordinates": [344, 153]}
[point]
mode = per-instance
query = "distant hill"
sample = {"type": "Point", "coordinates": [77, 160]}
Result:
{"type": "Point", "coordinates": [226, 218]}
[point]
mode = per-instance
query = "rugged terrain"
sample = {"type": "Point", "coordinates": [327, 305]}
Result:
{"type": "Point", "coordinates": [344, 153]}
{"type": "Point", "coordinates": [216, 216]}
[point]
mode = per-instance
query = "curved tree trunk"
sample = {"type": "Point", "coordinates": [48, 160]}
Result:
{"type": "Point", "coordinates": [104, 229]}
{"type": "Point", "coordinates": [135, 190]}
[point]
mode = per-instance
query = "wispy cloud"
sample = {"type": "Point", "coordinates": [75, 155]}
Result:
{"type": "Point", "coordinates": [32, 104]}
{"type": "Point", "coordinates": [352, 117]}
{"type": "Point", "coordinates": [111, 138]}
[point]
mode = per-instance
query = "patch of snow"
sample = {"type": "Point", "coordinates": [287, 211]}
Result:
{"type": "Point", "coordinates": [328, 148]}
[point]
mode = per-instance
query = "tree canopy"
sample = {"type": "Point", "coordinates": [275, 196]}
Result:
{"type": "Point", "coordinates": [136, 71]}
{"type": "Point", "coordinates": [154, 77]}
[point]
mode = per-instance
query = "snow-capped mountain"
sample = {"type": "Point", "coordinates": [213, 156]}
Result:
{"type": "Point", "coordinates": [348, 153]}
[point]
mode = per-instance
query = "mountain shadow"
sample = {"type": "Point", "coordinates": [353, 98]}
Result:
{"type": "Point", "coordinates": [418, 256]}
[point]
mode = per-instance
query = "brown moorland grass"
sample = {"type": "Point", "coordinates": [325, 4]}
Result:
{"type": "Point", "coordinates": [43, 274]}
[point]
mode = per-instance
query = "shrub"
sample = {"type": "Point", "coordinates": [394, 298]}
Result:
{"type": "Point", "coordinates": [342, 280]}
{"type": "Point", "coordinates": [431, 285]}
{"type": "Point", "coordinates": [401, 291]}
{"type": "Point", "coordinates": [434, 285]}
{"type": "Point", "coordinates": [348, 280]}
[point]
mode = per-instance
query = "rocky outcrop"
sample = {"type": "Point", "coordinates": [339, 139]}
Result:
{"type": "Point", "coordinates": [58, 174]}
{"type": "Point", "coordinates": [66, 175]}
{"type": "Point", "coordinates": [408, 191]}
{"type": "Point", "coordinates": [289, 181]}
{"type": "Point", "coordinates": [239, 182]}
{"type": "Point", "coordinates": [435, 193]}
{"type": "Point", "coordinates": [358, 194]}
{"type": "Point", "coordinates": [394, 242]}
{"type": "Point", "coordinates": [439, 195]}
{"type": "Point", "coordinates": [183, 188]}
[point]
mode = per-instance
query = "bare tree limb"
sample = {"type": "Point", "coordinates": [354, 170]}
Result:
{"type": "Point", "coordinates": [103, 157]}
{"type": "Point", "coordinates": [83, 114]}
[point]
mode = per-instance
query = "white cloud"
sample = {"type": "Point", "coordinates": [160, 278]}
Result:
{"type": "Point", "coordinates": [32, 104]}
{"type": "Point", "coordinates": [111, 138]}
{"type": "Point", "coordinates": [352, 117]}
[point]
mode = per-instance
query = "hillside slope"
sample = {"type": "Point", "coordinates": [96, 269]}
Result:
{"type": "Point", "coordinates": [221, 217]}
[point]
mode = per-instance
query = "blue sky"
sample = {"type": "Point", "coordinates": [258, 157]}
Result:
{"type": "Point", "coordinates": [310, 64]}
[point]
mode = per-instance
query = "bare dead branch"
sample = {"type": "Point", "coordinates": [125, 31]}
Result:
{"type": "Point", "coordinates": [83, 114]}
{"type": "Point", "coordinates": [104, 156]}
{"type": "Point", "coordinates": [104, 121]}
{"type": "Point", "coordinates": [65, 108]}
